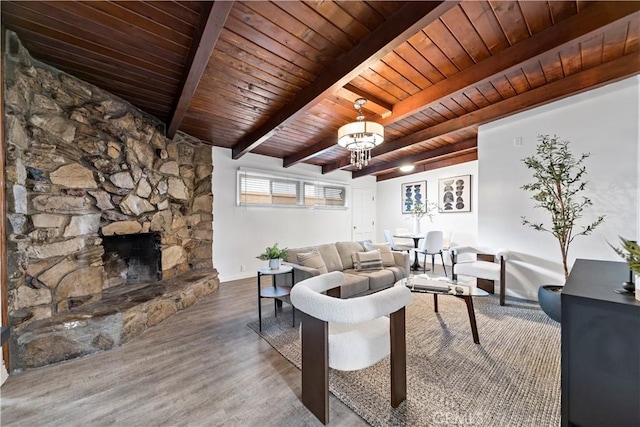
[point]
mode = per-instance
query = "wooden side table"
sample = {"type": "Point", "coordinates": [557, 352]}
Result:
{"type": "Point", "coordinates": [275, 292]}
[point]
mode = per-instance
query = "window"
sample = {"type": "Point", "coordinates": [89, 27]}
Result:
{"type": "Point", "coordinates": [256, 188]}
{"type": "Point", "coordinates": [323, 195]}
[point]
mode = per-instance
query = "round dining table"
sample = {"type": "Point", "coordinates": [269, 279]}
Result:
{"type": "Point", "coordinates": [416, 241]}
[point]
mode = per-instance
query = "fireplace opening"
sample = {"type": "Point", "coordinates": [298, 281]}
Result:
{"type": "Point", "coordinates": [132, 258]}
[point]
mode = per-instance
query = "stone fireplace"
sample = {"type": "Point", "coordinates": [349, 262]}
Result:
{"type": "Point", "coordinates": [110, 221]}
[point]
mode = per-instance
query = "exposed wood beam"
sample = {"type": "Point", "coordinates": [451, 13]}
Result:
{"type": "Point", "coordinates": [437, 164]}
{"type": "Point", "coordinates": [592, 78]}
{"type": "Point", "coordinates": [416, 158]}
{"type": "Point", "coordinates": [201, 49]}
{"type": "Point", "coordinates": [388, 108]}
{"type": "Point", "coordinates": [309, 152]}
{"type": "Point", "coordinates": [411, 18]}
{"type": "Point", "coordinates": [594, 19]}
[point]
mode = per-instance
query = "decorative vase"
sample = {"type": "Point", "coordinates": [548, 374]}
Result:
{"type": "Point", "coordinates": [631, 286]}
{"type": "Point", "coordinates": [274, 263]}
{"type": "Point", "coordinates": [416, 226]}
{"type": "Point", "coordinates": [549, 298]}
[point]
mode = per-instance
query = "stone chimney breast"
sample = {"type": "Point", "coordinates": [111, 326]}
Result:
{"type": "Point", "coordinates": [84, 165]}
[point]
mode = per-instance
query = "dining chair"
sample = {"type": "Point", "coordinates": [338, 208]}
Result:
{"type": "Point", "coordinates": [446, 240]}
{"type": "Point", "coordinates": [408, 241]}
{"type": "Point", "coordinates": [432, 245]}
{"type": "Point", "coordinates": [388, 236]}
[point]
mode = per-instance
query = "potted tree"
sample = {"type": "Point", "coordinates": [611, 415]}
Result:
{"type": "Point", "coordinates": [274, 254]}
{"type": "Point", "coordinates": [558, 188]}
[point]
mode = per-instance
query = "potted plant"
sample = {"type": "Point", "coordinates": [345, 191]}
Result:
{"type": "Point", "coordinates": [630, 252]}
{"type": "Point", "coordinates": [558, 187]}
{"type": "Point", "coordinates": [274, 254]}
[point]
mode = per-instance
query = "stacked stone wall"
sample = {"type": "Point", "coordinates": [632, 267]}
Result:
{"type": "Point", "coordinates": [82, 163]}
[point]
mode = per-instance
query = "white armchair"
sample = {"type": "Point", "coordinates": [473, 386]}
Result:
{"type": "Point", "coordinates": [348, 334]}
{"type": "Point", "coordinates": [487, 267]}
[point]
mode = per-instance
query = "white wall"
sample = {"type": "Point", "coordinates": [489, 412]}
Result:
{"type": "Point", "coordinates": [603, 122]}
{"type": "Point", "coordinates": [462, 224]}
{"type": "Point", "coordinates": [242, 233]}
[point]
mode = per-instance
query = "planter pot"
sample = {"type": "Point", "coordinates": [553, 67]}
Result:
{"type": "Point", "coordinates": [549, 300]}
{"type": "Point", "coordinates": [274, 264]}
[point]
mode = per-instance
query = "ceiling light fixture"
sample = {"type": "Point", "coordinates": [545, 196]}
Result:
{"type": "Point", "coordinates": [407, 168]}
{"type": "Point", "coordinates": [360, 137]}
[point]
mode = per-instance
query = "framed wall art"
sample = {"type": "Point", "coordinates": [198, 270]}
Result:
{"type": "Point", "coordinates": [413, 193]}
{"type": "Point", "coordinates": [454, 194]}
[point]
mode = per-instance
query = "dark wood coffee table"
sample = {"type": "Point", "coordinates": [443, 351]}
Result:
{"type": "Point", "coordinates": [434, 287]}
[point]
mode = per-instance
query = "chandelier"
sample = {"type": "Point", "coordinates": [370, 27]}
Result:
{"type": "Point", "coordinates": [360, 137]}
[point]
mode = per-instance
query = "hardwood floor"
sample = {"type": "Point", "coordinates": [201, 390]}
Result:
{"type": "Point", "coordinates": [203, 366]}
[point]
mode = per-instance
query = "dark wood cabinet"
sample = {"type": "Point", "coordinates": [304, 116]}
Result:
{"type": "Point", "coordinates": [600, 347]}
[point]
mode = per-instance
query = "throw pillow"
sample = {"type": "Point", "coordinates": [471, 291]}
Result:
{"type": "Point", "coordinates": [312, 259]}
{"type": "Point", "coordinates": [385, 252]}
{"type": "Point", "coordinates": [367, 261]}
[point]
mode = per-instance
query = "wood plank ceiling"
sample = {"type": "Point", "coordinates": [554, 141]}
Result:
{"type": "Point", "coordinates": [279, 78]}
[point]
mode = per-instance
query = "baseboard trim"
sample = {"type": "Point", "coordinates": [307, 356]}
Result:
{"type": "Point", "coordinates": [239, 276]}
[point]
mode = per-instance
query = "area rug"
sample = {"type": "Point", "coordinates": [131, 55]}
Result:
{"type": "Point", "coordinates": [512, 378]}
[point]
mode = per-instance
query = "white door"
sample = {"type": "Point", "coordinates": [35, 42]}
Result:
{"type": "Point", "coordinates": [362, 203]}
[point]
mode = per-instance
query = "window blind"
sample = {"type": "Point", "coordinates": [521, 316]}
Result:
{"type": "Point", "coordinates": [256, 188]}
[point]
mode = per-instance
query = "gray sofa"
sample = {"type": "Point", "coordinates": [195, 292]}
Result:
{"type": "Point", "coordinates": [339, 256]}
